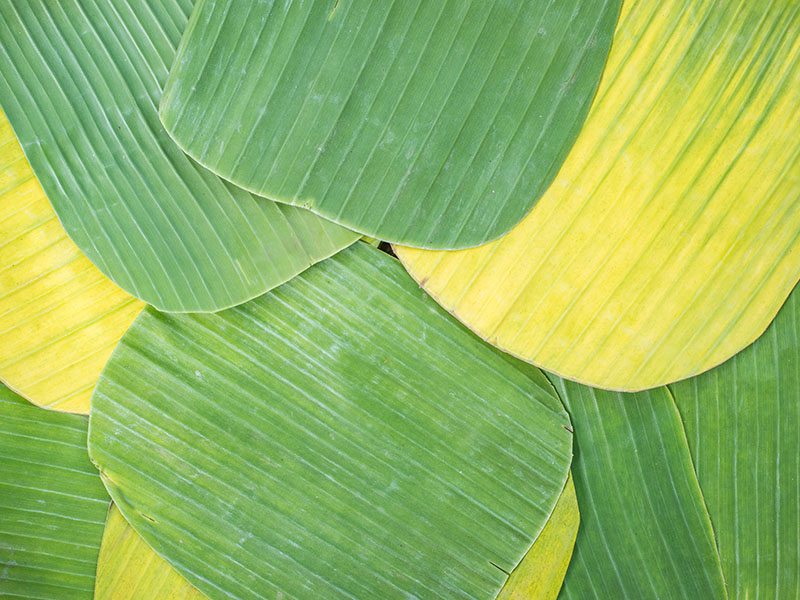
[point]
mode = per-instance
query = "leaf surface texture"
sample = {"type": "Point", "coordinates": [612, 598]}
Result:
{"type": "Point", "coordinates": [128, 569]}
{"type": "Point", "coordinates": [645, 531]}
{"type": "Point", "coordinates": [671, 235]}
{"type": "Point", "coordinates": [52, 504]}
{"type": "Point", "coordinates": [339, 437]}
{"type": "Point", "coordinates": [742, 421]}
{"type": "Point", "coordinates": [433, 124]}
{"type": "Point", "coordinates": [80, 82]}
{"type": "Point", "coordinates": [540, 574]}
{"type": "Point", "coordinates": [60, 317]}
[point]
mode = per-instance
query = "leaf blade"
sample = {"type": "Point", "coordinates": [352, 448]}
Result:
{"type": "Point", "coordinates": [743, 426]}
{"type": "Point", "coordinates": [128, 569]}
{"type": "Point", "coordinates": [645, 531]}
{"type": "Point", "coordinates": [668, 241]}
{"type": "Point", "coordinates": [80, 85]}
{"type": "Point", "coordinates": [52, 503]}
{"type": "Point", "coordinates": [367, 470]}
{"type": "Point", "coordinates": [435, 125]}
{"type": "Point", "coordinates": [59, 316]}
{"type": "Point", "coordinates": [541, 573]}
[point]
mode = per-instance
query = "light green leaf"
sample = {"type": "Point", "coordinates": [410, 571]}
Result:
{"type": "Point", "coordinates": [645, 532]}
{"type": "Point", "coordinates": [52, 504]}
{"type": "Point", "coordinates": [742, 421]}
{"type": "Point", "coordinates": [80, 81]}
{"type": "Point", "coordinates": [432, 124]}
{"type": "Point", "coordinates": [339, 437]}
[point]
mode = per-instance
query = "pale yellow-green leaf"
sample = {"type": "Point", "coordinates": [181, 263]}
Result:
{"type": "Point", "coordinates": [60, 317]}
{"type": "Point", "coordinates": [128, 569]}
{"type": "Point", "coordinates": [671, 236]}
{"type": "Point", "coordinates": [540, 574]}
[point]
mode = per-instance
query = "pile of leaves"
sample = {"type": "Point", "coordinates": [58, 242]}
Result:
{"type": "Point", "coordinates": [277, 280]}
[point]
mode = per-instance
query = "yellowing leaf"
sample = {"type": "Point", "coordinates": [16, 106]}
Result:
{"type": "Point", "coordinates": [128, 569]}
{"type": "Point", "coordinates": [540, 574]}
{"type": "Point", "coordinates": [60, 317]}
{"type": "Point", "coordinates": [671, 236]}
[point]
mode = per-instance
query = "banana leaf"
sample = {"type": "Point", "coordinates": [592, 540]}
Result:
{"type": "Point", "coordinates": [128, 569]}
{"type": "Point", "coordinates": [671, 235]}
{"type": "Point", "coordinates": [541, 573]}
{"type": "Point", "coordinates": [645, 531]}
{"type": "Point", "coordinates": [432, 124]}
{"type": "Point", "coordinates": [742, 421]}
{"type": "Point", "coordinates": [80, 81]}
{"type": "Point", "coordinates": [52, 504]}
{"type": "Point", "coordinates": [60, 317]}
{"type": "Point", "coordinates": [341, 436]}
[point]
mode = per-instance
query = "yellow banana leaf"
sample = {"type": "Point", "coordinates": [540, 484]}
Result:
{"type": "Point", "coordinates": [60, 317]}
{"type": "Point", "coordinates": [128, 569]}
{"type": "Point", "coordinates": [540, 574]}
{"type": "Point", "coordinates": [671, 236]}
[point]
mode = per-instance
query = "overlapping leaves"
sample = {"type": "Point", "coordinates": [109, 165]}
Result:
{"type": "Point", "coordinates": [128, 569]}
{"type": "Point", "coordinates": [671, 235]}
{"type": "Point", "coordinates": [287, 444]}
{"type": "Point", "coordinates": [341, 436]}
{"type": "Point", "coordinates": [52, 504]}
{"type": "Point", "coordinates": [665, 536]}
{"type": "Point", "coordinates": [80, 83]}
{"type": "Point", "coordinates": [742, 421]}
{"type": "Point", "coordinates": [60, 317]}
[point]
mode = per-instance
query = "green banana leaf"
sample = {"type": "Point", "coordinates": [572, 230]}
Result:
{"type": "Point", "coordinates": [80, 81]}
{"type": "Point", "coordinates": [60, 317]}
{"type": "Point", "coordinates": [339, 437]}
{"type": "Point", "coordinates": [645, 532]}
{"type": "Point", "coordinates": [742, 421]}
{"type": "Point", "coordinates": [52, 504]}
{"type": "Point", "coordinates": [431, 124]}
{"type": "Point", "coordinates": [128, 569]}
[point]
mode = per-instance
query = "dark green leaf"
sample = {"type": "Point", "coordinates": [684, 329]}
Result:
{"type": "Point", "coordinates": [80, 81]}
{"type": "Point", "coordinates": [742, 420]}
{"type": "Point", "coordinates": [645, 532]}
{"type": "Point", "coordinates": [432, 124]}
